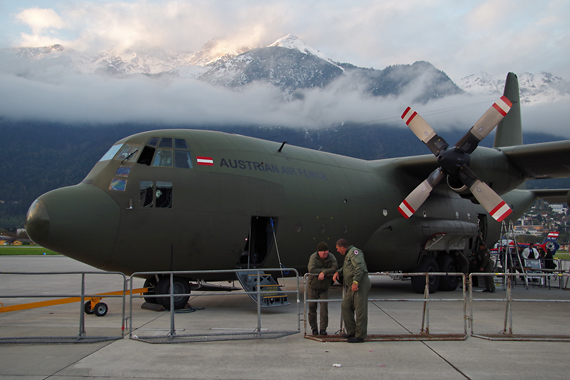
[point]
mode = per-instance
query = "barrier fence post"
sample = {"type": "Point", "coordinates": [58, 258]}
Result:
{"type": "Point", "coordinates": [82, 307]}
{"type": "Point", "coordinates": [172, 328]}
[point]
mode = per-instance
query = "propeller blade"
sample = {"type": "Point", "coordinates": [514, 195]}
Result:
{"type": "Point", "coordinates": [418, 196]}
{"type": "Point", "coordinates": [423, 131]}
{"type": "Point", "coordinates": [486, 196]}
{"type": "Point", "coordinates": [484, 125]}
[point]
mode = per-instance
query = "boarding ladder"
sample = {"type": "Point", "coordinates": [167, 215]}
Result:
{"type": "Point", "coordinates": [271, 294]}
{"type": "Point", "coordinates": [509, 255]}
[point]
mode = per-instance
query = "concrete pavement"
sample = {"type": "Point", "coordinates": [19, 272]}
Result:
{"type": "Point", "coordinates": [287, 357]}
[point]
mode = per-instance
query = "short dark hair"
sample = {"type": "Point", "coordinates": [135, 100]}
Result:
{"type": "Point", "coordinates": [342, 243]}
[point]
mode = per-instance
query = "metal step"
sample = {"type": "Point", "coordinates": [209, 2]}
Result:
{"type": "Point", "coordinates": [276, 297]}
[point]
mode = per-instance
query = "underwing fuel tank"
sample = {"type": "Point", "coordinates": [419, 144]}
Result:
{"type": "Point", "coordinates": [78, 221]}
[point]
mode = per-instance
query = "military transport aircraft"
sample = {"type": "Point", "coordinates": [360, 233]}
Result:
{"type": "Point", "coordinates": [181, 200]}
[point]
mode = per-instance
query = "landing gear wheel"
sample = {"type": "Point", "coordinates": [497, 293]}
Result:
{"type": "Point", "coordinates": [100, 309]}
{"type": "Point", "coordinates": [150, 283]}
{"type": "Point", "coordinates": [428, 264]}
{"type": "Point", "coordinates": [180, 285]}
{"type": "Point", "coordinates": [447, 264]}
{"type": "Point", "coordinates": [87, 308]}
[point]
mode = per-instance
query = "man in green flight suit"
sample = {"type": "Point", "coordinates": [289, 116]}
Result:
{"type": "Point", "coordinates": [356, 286]}
{"type": "Point", "coordinates": [485, 265]}
{"type": "Point", "coordinates": [323, 265]}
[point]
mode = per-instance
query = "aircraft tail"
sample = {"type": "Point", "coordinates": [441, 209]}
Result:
{"type": "Point", "coordinates": [509, 130]}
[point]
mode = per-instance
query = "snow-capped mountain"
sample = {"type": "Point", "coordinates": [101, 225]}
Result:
{"type": "Point", "coordinates": [534, 89]}
{"type": "Point", "coordinates": [292, 65]}
{"type": "Point", "coordinates": [291, 42]}
{"type": "Point", "coordinates": [288, 64]}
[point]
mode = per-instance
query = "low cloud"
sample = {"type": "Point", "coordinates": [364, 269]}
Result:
{"type": "Point", "coordinates": [54, 93]}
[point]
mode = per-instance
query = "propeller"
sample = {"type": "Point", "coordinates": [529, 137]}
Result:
{"type": "Point", "coordinates": [454, 162]}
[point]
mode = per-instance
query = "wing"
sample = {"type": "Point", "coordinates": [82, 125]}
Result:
{"type": "Point", "coordinates": [553, 195]}
{"type": "Point", "coordinates": [540, 161]}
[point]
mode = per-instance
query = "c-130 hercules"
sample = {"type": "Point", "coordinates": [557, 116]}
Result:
{"type": "Point", "coordinates": [189, 200]}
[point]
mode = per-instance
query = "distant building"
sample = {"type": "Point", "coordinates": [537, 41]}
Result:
{"type": "Point", "coordinates": [559, 208]}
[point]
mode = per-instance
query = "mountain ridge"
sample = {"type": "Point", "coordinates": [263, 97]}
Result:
{"type": "Point", "coordinates": [218, 63]}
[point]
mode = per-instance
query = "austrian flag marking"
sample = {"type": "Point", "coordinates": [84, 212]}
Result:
{"type": "Point", "coordinates": [208, 161]}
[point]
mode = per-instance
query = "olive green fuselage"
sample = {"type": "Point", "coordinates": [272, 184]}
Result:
{"type": "Point", "coordinates": [131, 214]}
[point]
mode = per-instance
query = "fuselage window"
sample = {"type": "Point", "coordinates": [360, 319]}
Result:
{"type": "Point", "coordinates": [163, 194]}
{"type": "Point", "coordinates": [118, 184]}
{"type": "Point", "coordinates": [163, 158]}
{"type": "Point", "coordinates": [155, 196]}
{"type": "Point", "coordinates": [123, 171]}
{"type": "Point", "coordinates": [146, 193]}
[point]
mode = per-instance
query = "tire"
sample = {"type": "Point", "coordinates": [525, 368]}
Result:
{"type": "Point", "coordinates": [101, 309]}
{"type": "Point", "coordinates": [181, 286]}
{"type": "Point", "coordinates": [427, 264]}
{"type": "Point", "coordinates": [150, 283]}
{"type": "Point", "coordinates": [449, 265]}
{"type": "Point", "coordinates": [87, 308]}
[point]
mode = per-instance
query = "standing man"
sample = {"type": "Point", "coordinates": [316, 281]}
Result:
{"type": "Point", "coordinates": [356, 288]}
{"type": "Point", "coordinates": [485, 265]}
{"type": "Point", "coordinates": [324, 264]}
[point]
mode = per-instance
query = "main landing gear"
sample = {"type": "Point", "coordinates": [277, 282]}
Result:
{"type": "Point", "coordinates": [162, 286]}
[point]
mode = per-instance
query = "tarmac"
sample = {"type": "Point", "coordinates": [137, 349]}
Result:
{"type": "Point", "coordinates": [281, 356]}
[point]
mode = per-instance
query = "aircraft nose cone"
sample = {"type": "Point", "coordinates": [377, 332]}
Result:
{"type": "Point", "coordinates": [78, 221]}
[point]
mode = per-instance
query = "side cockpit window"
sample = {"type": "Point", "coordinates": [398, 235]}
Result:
{"type": "Point", "coordinates": [157, 194]}
{"type": "Point", "coordinates": [123, 152]}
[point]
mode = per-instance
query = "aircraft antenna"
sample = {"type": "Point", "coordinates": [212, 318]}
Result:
{"type": "Point", "coordinates": [282, 145]}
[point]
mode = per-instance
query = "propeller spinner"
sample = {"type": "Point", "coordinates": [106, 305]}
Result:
{"type": "Point", "coordinates": [454, 162]}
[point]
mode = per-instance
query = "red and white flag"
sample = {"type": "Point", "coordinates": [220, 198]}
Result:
{"type": "Point", "coordinates": [208, 161]}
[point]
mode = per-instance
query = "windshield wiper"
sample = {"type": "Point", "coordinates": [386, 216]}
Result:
{"type": "Point", "coordinates": [129, 156]}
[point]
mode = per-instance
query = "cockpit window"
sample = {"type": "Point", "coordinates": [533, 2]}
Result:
{"type": "Point", "coordinates": [183, 159]}
{"type": "Point", "coordinates": [111, 152]}
{"type": "Point", "coordinates": [153, 141]}
{"type": "Point", "coordinates": [180, 144]}
{"type": "Point", "coordinates": [166, 142]}
{"type": "Point", "coordinates": [128, 153]}
{"type": "Point", "coordinates": [179, 157]}
{"type": "Point", "coordinates": [163, 157]}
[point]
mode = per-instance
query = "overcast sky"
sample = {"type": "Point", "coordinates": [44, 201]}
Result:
{"type": "Point", "coordinates": [458, 37]}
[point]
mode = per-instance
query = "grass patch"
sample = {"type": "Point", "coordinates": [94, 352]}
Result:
{"type": "Point", "coordinates": [10, 250]}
